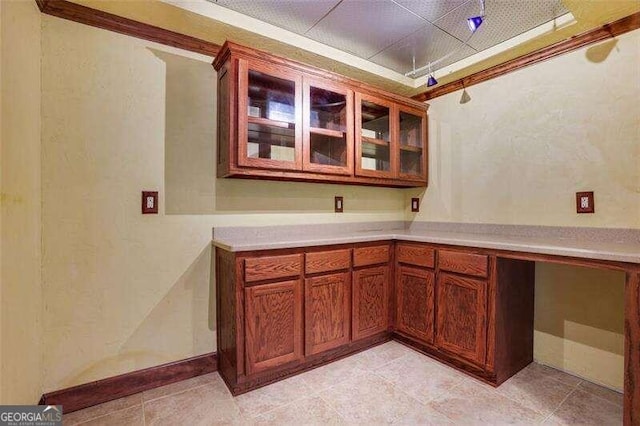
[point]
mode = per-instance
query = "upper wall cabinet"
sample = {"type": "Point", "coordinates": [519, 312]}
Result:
{"type": "Point", "coordinates": [282, 120]}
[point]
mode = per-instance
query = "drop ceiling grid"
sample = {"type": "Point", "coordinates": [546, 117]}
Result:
{"type": "Point", "coordinates": [390, 32]}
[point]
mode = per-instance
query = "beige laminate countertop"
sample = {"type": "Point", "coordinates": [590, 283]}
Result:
{"type": "Point", "coordinates": [590, 243]}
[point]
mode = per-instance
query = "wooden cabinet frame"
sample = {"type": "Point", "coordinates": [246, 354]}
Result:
{"type": "Point", "coordinates": [444, 321]}
{"type": "Point", "coordinates": [339, 308]}
{"type": "Point", "coordinates": [362, 303]}
{"type": "Point", "coordinates": [428, 281]}
{"type": "Point", "coordinates": [422, 177]}
{"type": "Point", "coordinates": [244, 160]}
{"type": "Point", "coordinates": [233, 63]}
{"type": "Point", "coordinates": [307, 165]}
{"type": "Point", "coordinates": [393, 137]}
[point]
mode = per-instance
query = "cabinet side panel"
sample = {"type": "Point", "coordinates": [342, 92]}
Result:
{"type": "Point", "coordinates": [225, 118]}
{"type": "Point", "coordinates": [226, 314]}
{"type": "Point", "coordinates": [632, 349]}
{"type": "Point", "coordinates": [515, 296]}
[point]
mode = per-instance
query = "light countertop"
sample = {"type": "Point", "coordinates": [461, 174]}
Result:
{"type": "Point", "coordinates": [591, 243]}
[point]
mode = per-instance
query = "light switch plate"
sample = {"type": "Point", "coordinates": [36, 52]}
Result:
{"type": "Point", "coordinates": [584, 202]}
{"type": "Point", "coordinates": [149, 202]}
{"type": "Point", "coordinates": [338, 204]}
{"type": "Point", "coordinates": [415, 205]}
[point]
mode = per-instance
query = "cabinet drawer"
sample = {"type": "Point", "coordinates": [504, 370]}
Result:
{"type": "Point", "coordinates": [463, 263]}
{"type": "Point", "coordinates": [370, 255]}
{"type": "Point", "coordinates": [325, 261]}
{"type": "Point", "coordinates": [269, 267]}
{"type": "Point", "coordinates": [414, 254]}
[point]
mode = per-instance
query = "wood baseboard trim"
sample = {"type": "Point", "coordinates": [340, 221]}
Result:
{"type": "Point", "coordinates": [108, 21]}
{"type": "Point", "coordinates": [624, 25]}
{"type": "Point", "coordinates": [89, 394]}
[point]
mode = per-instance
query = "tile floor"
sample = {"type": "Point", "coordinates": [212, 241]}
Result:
{"type": "Point", "coordinates": [386, 384]}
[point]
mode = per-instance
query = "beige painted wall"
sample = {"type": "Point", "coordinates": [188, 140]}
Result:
{"type": "Point", "coordinates": [517, 152]}
{"type": "Point", "coordinates": [20, 242]}
{"type": "Point", "coordinates": [124, 291]}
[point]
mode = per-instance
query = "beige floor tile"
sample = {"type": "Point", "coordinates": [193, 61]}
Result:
{"type": "Point", "coordinates": [583, 408]}
{"type": "Point", "coordinates": [306, 411]}
{"type": "Point", "coordinates": [180, 386]}
{"type": "Point", "coordinates": [534, 388]}
{"type": "Point", "coordinates": [380, 355]}
{"type": "Point", "coordinates": [273, 396]}
{"type": "Point", "coordinates": [333, 373]}
{"type": "Point", "coordinates": [420, 376]}
{"type": "Point", "coordinates": [99, 410]}
{"type": "Point", "coordinates": [203, 405]}
{"type": "Point", "coordinates": [422, 415]}
{"type": "Point", "coordinates": [602, 392]}
{"type": "Point", "coordinates": [127, 417]}
{"type": "Point", "coordinates": [470, 404]}
{"type": "Point", "coordinates": [368, 399]}
{"type": "Point", "coordinates": [552, 373]}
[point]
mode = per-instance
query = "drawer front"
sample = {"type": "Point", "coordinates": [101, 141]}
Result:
{"type": "Point", "coordinates": [463, 263]}
{"type": "Point", "coordinates": [325, 261]}
{"type": "Point", "coordinates": [373, 255]}
{"type": "Point", "coordinates": [269, 267]}
{"type": "Point", "coordinates": [416, 255]}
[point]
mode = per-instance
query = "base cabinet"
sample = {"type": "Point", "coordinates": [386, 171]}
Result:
{"type": "Point", "coordinates": [370, 301]}
{"type": "Point", "coordinates": [327, 312]}
{"type": "Point", "coordinates": [462, 317]}
{"type": "Point", "coordinates": [280, 312]}
{"type": "Point", "coordinates": [415, 303]}
{"type": "Point", "coordinates": [273, 323]}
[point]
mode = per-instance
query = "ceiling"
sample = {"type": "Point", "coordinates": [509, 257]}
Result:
{"type": "Point", "coordinates": [391, 33]}
{"type": "Point", "coordinates": [208, 20]}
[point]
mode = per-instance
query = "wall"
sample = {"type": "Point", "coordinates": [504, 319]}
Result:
{"type": "Point", "coordinates": [515, 150]}
{"type": "Point", "coordinates": [20, 199]}
{"type": "Point", "coordinates": [125, 291]}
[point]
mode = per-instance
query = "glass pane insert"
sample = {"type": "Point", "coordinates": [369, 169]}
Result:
{"type": "Point", "coordinates": [328, 150]}
{"type": "Point", "coordinates": [271, 97]}
{"type": "Point", "coordinates": [410, 144]}
{"type": "Point", "coordinates": [375, 132]}
{"type": "Point", "coordinates": [328, 110]}
{"type": "Point", "coordinates": [375, 121]}
{"type": "Point", "coordinates": [271, 142]}
{"type": "Point", "coordinates": [327, 127]}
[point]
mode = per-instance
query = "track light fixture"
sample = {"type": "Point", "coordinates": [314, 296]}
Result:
{"type": "Point", "coordinates": [431, 81]}
{"type": "Point", "coordinates": [475, 21]}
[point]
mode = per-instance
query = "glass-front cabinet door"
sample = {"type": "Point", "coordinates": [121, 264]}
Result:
{"type": "Point", "coordinates": [412, 137]}
{"type": "Point", "coordinates": [375, 137]}
{"type": "Point", "coordinates": [327, 128]}
{"type": "Point", "coordinates": [270, 117]}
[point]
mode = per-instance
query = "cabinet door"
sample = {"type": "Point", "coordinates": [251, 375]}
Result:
{"type": "Point", "coordinates": [412, 144]}
{"type": "Point", "coordinates": [461, 322]}
{"type": "Point", "coordinates": [370, 304]}
{"type": "Point", "coordinates": [273, 324]}
{"type": "Point", "coordinates": [415, 303]}
{"type": "Point", "coordinates": [327, 312]}
{"type": "Point", "coordinates": [269, 116]}
{"type": "Point", "coordinates": [376, 154]}
{"type": "Point", "coordinates": [327, 127]}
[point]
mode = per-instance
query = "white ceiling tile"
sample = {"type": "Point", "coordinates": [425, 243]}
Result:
{"type": "Point", "coordinates": [293, 15]}
{"type": "Point", "coordinates": [428, 44]}
{"type": "Point", "coordinates": [365, 27]}
{"type": "Point", "coordinates": [504, 19]}
{"type": "Point", "coordinates": [431, 9]}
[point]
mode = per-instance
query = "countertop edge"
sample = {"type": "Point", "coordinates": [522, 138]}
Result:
{"type": "Point", "coordinates": [564, 248]}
